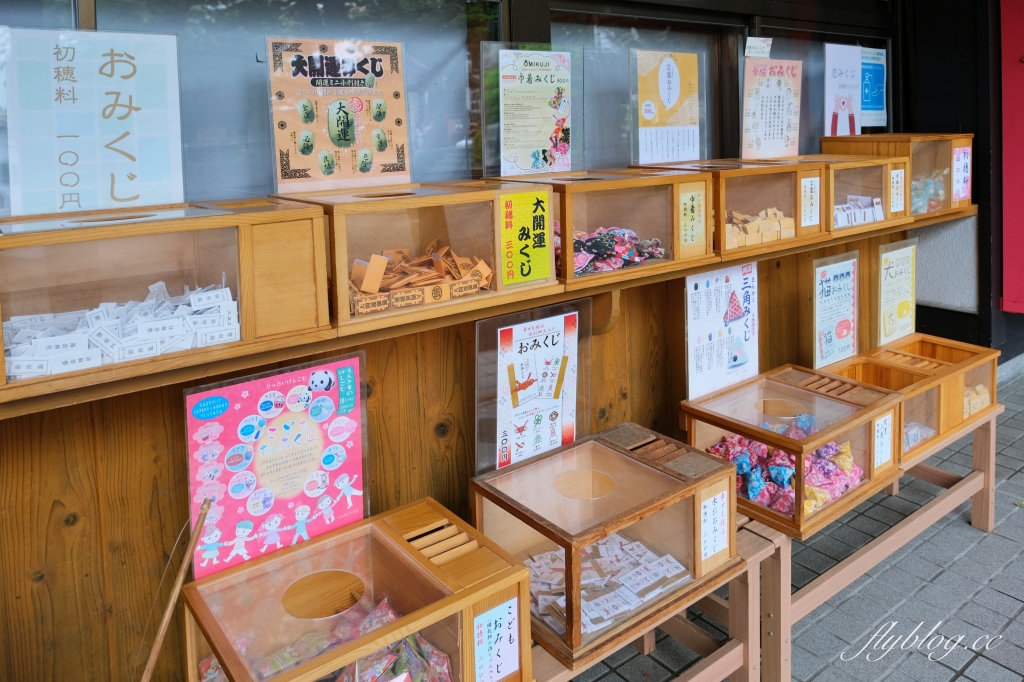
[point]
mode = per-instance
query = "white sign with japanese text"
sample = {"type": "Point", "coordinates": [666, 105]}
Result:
{"type": "Point", "coordinates": [810, 198]}
{"type": "Point", "coordinates": [842, 89]}
{"type": "Point", "coordinates": [883, 440]}
{"type": "Point", "coordinates": [93, 120]}
{"type": "Point", "coordinates": [714, 525]}
{"type": "Point", "coordinates": [897, 190]}
{"type": "Point", "coordinates": [835, 310]}
{"type": "Point", "coordinates": [496, 642]}
{"type": "Point", "coordinates": [536, 387]}
{"type": "Point", "coordinates": [961, 173]}
{"type": "Point", "coordinates": [721, 328]}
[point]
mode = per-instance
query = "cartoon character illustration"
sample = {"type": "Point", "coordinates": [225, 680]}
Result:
{"type": "Point", "coordinates": [321, 380]}
{"type": "Point", "coordinates": [271, 534]}
{"type": "Point", "coordinates": [210, 471]}
{"type": "Point", "coordinates": [215, 514]}
{"type": "Point", "coordinates": [207, 433]}
{"type": "Point", "coordinates": [208, 452]}
{"type": "Point", "coordinates": [242, 531]}
{"type": "Point", "coordinates": [214, 490]}
{"type": "Point", "coordinates": [301, 519]}
{"type": "Point", "coordinates": [521, 429]}
{"type": "Point", "coordinates": [210, 546]}
{"type": "Point", "coordinates": [325, 505]}
{"type": "Point", "coordinates": [345, 486]}
{"type": "Point", "coordinates": [525, 384]}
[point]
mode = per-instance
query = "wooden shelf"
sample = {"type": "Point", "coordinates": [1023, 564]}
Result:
{"type": "Point", "coordinates": [28, 397]}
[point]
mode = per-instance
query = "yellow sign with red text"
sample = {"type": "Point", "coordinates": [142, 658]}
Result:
{"type": "Point", "coordinates": [525, 237]}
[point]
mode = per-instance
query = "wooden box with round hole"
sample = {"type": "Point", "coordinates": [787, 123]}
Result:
{"type": "Point", "coordinates": [668, 211]}
{"type": "Point", "coordinates": [957, 383]}
{"type": "Point", "coordinates": [807, 446]}
{"type": "Point", "coordinates": [413, 252]}
{"type": "Point", "coordinates": [99, 296]}
{"type": "Point", "coordinates": [762, 205]}
{"type": "Point", "coordinates": [353, 604]}
{"type": "Point", "coordinates": [612, 542]}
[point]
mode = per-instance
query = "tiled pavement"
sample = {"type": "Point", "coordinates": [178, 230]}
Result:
{"type": "Point", "coordinates": [970, 581]}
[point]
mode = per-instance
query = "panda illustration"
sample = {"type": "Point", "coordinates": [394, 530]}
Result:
{"type": "Point", "coordinates": [321, 381]}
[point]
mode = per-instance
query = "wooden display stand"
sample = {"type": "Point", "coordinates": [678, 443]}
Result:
{"type": "Point", "coordinates": [272, 252]}
{"type": "Point", "coordinates": [847, 176]}
{"type": "Point", "coordinates": [842, 410]}
{"type": "Point", "coordinates": [928, 153]}
{"type": "Point", "coordinates": [781, 607]}
{"type": "Point", "coordinates": [650, 204]}
{"type": "Point", "coordinates": [402, 222]}
{"type": "Point", "coordinates": [769, 194]}
{"type": "Point", "coordinates": [946, 384]}
{"type": "Point", "coordinates": [437, 573]}
{"type": "Point", "coordinates": [568, 500]}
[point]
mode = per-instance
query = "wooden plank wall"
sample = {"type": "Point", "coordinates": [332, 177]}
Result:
{"type": "Point", "coordinates": [93, 496]}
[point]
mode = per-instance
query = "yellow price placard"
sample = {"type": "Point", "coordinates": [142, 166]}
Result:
{"type": "Point", "coordinates": [525, 237]}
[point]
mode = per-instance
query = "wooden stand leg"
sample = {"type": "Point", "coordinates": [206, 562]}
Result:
{"type": "Point", "coordinates": [776, 620]}
{"type": "Point", "coordinates": [893, 488]}
{"type": "Point", "coordinates": [645, 643]}
{"type": "Point", "coordinates": [983, 504]}
{"type": "Point", "coordinates": [191, 648]}
{"type": "Point", "coordinates": [744, 622]}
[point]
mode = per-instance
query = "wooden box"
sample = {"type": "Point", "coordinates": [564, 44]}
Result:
{"type": "Point", "coordinates": [306, 611]}
{"type": "Point", "coordinates": [611, 541]}
{"type": "Point", "coordinates": [863, 193]}
{"type": "Point", "coordinates": [940, 165]}
{"type": "Point", "coordinates": [759, 205]}
{"type": "Point", "coordinates": [671, 207]}
{"type": "Point", "coordinates": [965, 373]}
{"type": "Point", "coordinates": [401, 251]}
{"type": "Point", "coordinates": [101, 294]}
{"type": "Point", "coordinates": [808, 446]}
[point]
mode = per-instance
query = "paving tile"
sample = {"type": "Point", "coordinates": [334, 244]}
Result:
{"type": "Point", "coordinates": [831, 547]}
{"type": "Point", "coordinates": [621, 656]}
{"type": "Point", "coordinates": [801, 575]}
{"type": "Point", "coordinates": [1005, 654]}
{"type": "Point", "coordinates": [1008, 585]}
{"type": "Point", "coordinates": [983, 617]}
{"type": "Point", "coordinates": [851, 536]}
{"type": "Point", "coordinates": [861, 668]}
{"type": "Point", "coordinates": [938, 554]}
{"type": "Point", "coordinates": [866, 610]}
{"type": "Point", "coordinates": [591, 674]}
{"type": "Point", "coordinates": [889, 517]}
{"type": "Point", "coordinates": [901, 505]}
{"type": "Point", "coordinates": [918, 496]}
{"type": "Point", "coordinates": [674, 655]}
{"type": "Point", "coordinates": [984, 670]}
{"type": "Point", "coordinates": [997, 601]}
{"type": "Point", "coordinates": [918, 667]}
{"type": "Point", "coordinates": [814, 560]}
{"type": "Point", "coordinates": [822, 643]}
{"type": "Point", "coordinates": [643, 669]}
{"type": "Point", "coordinates": [845, 626]}
{"type": "Point", "coordinates": [831, 674]}
{"type": "Point", "coordinates": [941, 596]}
{"type": "Point", "coordinates": [805, 664]}
{"type": "Point", "coordinates": [868, 525]}
{"type": "Point", "coordinates": [914, 565]}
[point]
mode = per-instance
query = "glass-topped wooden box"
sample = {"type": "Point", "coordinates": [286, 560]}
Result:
{"type": "Point", "coordinates": [610, 540]}
{"type": "Point", "coordinates": [940, 165]}
{"type": "Point", "coordinates": [419, 250]}
{"type": "Point", "coordinates": [410, 591]}
{"type": "Point", "coordinates": [807, 446]}
{"type": "Point", "coordinates": [624, 224]}
{"type": "Point", "coordinates": [760, 204]}
{"type": "Point", "coordinates": [98, 295]}
{"type": "Point", "coordinates": [966, 374]}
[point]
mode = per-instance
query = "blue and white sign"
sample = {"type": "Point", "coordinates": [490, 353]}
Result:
{"type": "Point", "coordinates": [93, 120]}
{"type": "Point", "coordinates": [872, 100]}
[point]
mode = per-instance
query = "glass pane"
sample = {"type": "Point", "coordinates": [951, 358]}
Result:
{"type": "Point", "coordinates": [784, 409]}
{"type": "Point", "coordinates": [929, 186]}
{"type": "Point", "coordinates": [288, 611]}
{"type": "Point", "coordinates": [857, 196]}
{"type": "Point", "coordinates": [585, 486]}
{"type": "Point", "coordinates": [611, 114]}
{"type": "Point", "coordinates": [37, 14]}
{"type": "Point", "coordinates": [222, 47]}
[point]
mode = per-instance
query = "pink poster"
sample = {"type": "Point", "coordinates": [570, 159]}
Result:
{"type": "Point", "coordinates": [280, 455]}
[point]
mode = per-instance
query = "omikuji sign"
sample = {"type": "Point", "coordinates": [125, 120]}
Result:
{"type": "Point", "coordinates": [93, 120]}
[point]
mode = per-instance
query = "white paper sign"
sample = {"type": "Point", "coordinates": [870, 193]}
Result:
{"type": "Point", "coordinates": [883, 440]}
{"type": "Point", "coordinates": [835, 312]}
{"type": "Point", "coordinates": [536, 387]}
{"type": "Point", "coordinates": [961, 173]}
{"type": "Point", "coordinates": [721, 328]}
{"type": "Point", "coordinates": [897, 190]}
{"type": "Point", "coordinates": [759, 48]}
{"type": "Point", "coordinates": [714, 525]}
{"type": "Point", "coordinates": [897, 297]}
{"type": "Point", "coordinates": [810, 201]}
{"type": "Point", "coordinates": [496, 642]}
{"type": "Point", "coordinates": [93, 119]}
{"type": "Point", "coordinates": [842, 89]}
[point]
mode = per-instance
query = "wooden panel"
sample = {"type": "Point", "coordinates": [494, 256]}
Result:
{"type": "Point", "coordinates": [284, 274]}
